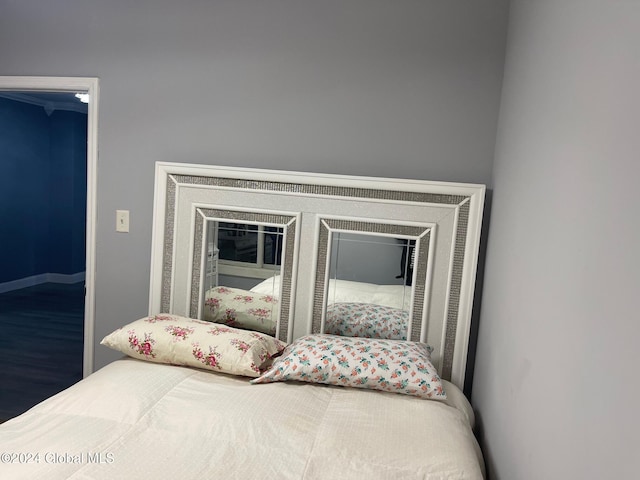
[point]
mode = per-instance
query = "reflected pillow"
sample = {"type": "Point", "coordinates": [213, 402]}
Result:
{"type": "Point", "coordinates": [241, 309]}
{"type": "Point", "coordinates": [389, 365]}
{"type": "Point", "coordinates": [366, 320]}
{"type": "Point", "coordinates": [184, 341]}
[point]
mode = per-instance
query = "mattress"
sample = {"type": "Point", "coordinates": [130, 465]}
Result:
{"type": "Point", "coordinates": [138, 419]}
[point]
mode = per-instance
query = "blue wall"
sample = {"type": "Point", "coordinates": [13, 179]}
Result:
{"type": "Point", "coordinates": [42, 191]}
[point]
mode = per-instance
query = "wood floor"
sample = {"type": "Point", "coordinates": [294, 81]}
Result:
{"type": "Point", "coordinates": [41, 344]}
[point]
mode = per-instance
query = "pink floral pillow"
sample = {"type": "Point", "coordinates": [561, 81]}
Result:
{"type": "Point", "coordinates": [388, 365]}
{"type": "Point", "coordinates": [242, 309]}
{"type": "Point", "coordinates": [195, 343]}
{"type": "Point", "coordinates": [366, 320]}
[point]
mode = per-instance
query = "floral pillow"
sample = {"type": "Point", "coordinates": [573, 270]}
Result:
{"type": "Point", "coordinates": [388, 365]}
{"type": "Point", "coordinates": [195, 343]}
{"type": "Point", "coordinates": [242, 309]}
{"type": "Point", "coordinates": [366, 320]}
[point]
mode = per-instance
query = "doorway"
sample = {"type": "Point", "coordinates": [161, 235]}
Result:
{"type": "Point", "coordinates": [49, 253]}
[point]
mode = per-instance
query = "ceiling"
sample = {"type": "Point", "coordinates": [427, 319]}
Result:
{"type": "Point", "coordinates": [50, 101]}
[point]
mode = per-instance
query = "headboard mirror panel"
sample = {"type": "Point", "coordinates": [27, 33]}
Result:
{"type": "Point", "coordinates": [354, 276]}
{"type": "Point", "coordinates": [255, 246]}
{"type": "Point", "coordinates": [321, 246]}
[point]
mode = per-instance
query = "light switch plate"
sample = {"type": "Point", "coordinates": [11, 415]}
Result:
{"type": "Point", "coordinates": [122, 221]}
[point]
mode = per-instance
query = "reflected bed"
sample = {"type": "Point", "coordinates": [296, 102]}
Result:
{"type": "Point", "coordinates": [347, 291]}
{"type": "Point", "coordinates": [353, 308]}
{"type": "Point", "coordinates": [358, 308]}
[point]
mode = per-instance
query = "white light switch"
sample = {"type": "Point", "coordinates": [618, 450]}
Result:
{"type": "Point", "coordinates": [122, 221]}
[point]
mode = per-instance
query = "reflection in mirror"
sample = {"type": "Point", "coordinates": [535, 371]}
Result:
{"type": "Point", "coordinates": [240, 256]}
{"type": "Point", "coordinates": [371, 278]}
{"type": "Point", "coordinates": [234, 252]}
{"type": "Point", "coordinates": [257, 245]}
{"type": "Point", "coordinates": [369, 290]}
{"type": "Point", "coordinates": [247, 253]}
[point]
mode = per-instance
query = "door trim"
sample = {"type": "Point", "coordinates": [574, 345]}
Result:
{"type": "Point", "coordinates": [87, 85]}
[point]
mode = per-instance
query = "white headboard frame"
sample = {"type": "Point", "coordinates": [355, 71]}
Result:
{"type": "Point", "coordinates": [446, 265]}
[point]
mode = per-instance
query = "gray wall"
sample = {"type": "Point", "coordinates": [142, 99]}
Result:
{"type": "Point", "coordinates": [403, 88]}
{"type": "Point", "coordinates": [556, 383]}
{"type": "Point", "coordinates": [359, 257]}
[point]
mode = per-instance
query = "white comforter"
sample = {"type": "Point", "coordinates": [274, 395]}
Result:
{"type": "Point", "coordinates": [134, 419]}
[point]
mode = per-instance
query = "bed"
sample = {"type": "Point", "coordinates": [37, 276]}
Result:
{"type": "Point", "coordinates": [193, 398]}
{"type": "Point", "coordinates": [133, 418]}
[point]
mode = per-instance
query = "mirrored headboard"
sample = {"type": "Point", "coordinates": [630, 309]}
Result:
{"type": "Point", "coordinates": [317, 246]}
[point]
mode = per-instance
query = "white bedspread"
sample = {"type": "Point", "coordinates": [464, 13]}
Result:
{"type": "Point", "coordinates": [134, 419]}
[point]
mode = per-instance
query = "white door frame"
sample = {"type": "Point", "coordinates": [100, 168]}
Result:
{"type": "Point", "coordinates": [86, 85]}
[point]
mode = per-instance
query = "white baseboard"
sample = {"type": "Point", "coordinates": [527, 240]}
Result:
{"type": "Point", "coordinates": [42, 278]}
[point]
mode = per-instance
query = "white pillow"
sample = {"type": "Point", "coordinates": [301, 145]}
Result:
{"type": "Point", "coordinates": [179, 340]}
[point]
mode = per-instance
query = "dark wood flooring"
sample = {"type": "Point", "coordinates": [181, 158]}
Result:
{"type": "Point", "coordinates": [41, 344]}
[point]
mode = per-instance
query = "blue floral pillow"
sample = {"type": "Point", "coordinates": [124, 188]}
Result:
{"type": "Point", "coordinates": [352, 319]}
{"type": "Point", "coordinates": [389, 365]}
